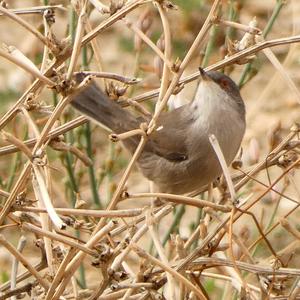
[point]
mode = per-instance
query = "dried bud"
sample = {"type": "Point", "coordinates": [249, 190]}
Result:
{"type": "Point", "coordinates": [3, 4]}
{"type": "Point", "coordinates": [118, 276]}
{"type": "Point", "coordinates": [288, 158]}
{"type": "Point", "coordinates": [248, 38]}
{"type": "Point", "coordinates": [49, 15]}
{"type": "Point", "coordinates": [105, 252]}
{"type": "Point", "coordinates": [115, 5]}
{"type": "Point", "coordinates": [21, 199]}
{"type": "Point", "coordinates": [125, 195]}
{"type": "Point", "coordinates": [30, 104]}
{"type": "Point", "coordinates": [78, 224]}
{"type": "Point", "coordinates": [247, 41]}
{"type": "Point", "coordinates": [114, 91]}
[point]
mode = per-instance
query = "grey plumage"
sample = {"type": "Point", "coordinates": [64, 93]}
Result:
{"type": "Point", "coordinates": [178, 157]}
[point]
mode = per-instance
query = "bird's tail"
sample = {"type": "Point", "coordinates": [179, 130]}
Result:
{"type": "Point", "coordinates": [96, 105]}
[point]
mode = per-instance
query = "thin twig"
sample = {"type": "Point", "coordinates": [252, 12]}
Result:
{"type": "Point", "coordinates": [180, 200]}
{"type": "Point", "coordinates": [21, 258]}
{"type": "Point", "coordinates": [177, 275]}
{"type": "Point", "coordinates": [85, 212]}
{"type": "Point", "coordinates": [26, 67]}
{"type": "Point", "coordinates": [15, 264]}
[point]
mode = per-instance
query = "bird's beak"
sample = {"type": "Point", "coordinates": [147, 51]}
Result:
{"type": "Point", "coordinates": [203, 75]}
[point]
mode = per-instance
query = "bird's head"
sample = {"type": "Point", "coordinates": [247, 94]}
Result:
{"type": "Point", "coordinates": [219, 86]}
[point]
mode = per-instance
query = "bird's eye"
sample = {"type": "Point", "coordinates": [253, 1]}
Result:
{"type": "Point", "coordinates": [224, 83]}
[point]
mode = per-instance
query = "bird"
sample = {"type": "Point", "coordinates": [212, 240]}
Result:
{"type": "Point", "coordinates": [178, 156]}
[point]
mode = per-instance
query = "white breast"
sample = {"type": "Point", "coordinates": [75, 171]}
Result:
{"type": "Point", "coordinates": [215, 113]}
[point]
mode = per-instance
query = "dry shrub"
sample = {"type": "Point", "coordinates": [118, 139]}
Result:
{"type": "Point", "coordinates": [72, 200]}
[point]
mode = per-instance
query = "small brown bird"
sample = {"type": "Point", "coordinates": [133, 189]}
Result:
{"type": "Point", "coordinates": [178, 156]}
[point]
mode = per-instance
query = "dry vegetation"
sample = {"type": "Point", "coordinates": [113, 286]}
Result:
{"type": "Point", "coordinates": [76, 218]}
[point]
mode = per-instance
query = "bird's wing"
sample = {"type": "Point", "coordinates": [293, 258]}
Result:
{"type": "Point", "coordinates": [169, 139]}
